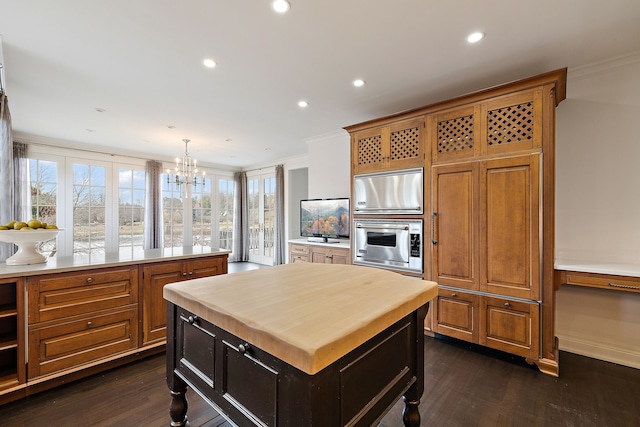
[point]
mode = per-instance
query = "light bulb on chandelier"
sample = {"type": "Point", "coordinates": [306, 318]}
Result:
{"type": "Point", "coordinates": [186, 170]}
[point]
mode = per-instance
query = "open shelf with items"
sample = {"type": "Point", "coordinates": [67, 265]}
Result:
{"type": "Point", "coordinates": [12, 367]}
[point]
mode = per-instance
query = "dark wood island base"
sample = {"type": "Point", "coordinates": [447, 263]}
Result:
{"type": "Point", "coordinates": [250, 387]}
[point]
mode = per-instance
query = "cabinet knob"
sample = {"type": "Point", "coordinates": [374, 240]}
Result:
{"type": "Point", "coordinates": [506, 304]}
{"type": "Point", "coordinates": [243, 348]}
{"type": "Point", "coordinates": [89, 280]}
{"type": "Point", "coordinates": [453, 295]}
{"type": "Point", "coordinates": [89, 324]}
{"type": "Point", "coordinates": [184, 274]}
{"type": "Point", "coordinates": [192, 320]}
{"type": "Point", "coordinates": [191, 273]}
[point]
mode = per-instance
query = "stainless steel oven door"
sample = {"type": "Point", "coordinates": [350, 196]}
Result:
{"type": "Point", "coordinates": [395, 244]}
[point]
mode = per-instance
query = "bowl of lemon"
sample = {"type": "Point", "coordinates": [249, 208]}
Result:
{"type": "Point", "coordinates": [27, 235]}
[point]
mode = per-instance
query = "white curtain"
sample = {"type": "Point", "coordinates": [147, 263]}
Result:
{"type": "Point", "coordinates": [153, 220]}
{"type": "Point", "coordinates": [6, 173]}
{"type": "Point", "coordinates": [279, 217]}
{"type": "Point", "coordinates": [240, 219]}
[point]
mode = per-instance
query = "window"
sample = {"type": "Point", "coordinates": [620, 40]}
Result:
{"type": "Point", "coordinates": [43, 185]}
{"type": "Point", "coordinates": [131, 193]}
{"type": "Point", "coordinates": [173, 214]}
{"type": "Point", "coordinates": [201, 200]}
{"type": "Point", "coordinates": [89, 201]}
{"type": "Point", "coordinates": [225, 213]}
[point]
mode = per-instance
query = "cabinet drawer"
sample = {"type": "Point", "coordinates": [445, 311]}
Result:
{"type": "Point", "coordinates": [457, 314]}
{"type": "Point", "coordinates": [602, 281]}
{"type": "Point", "coordinates": [67, 345]}
{"type": "Point", "coordinates": [299, 250]}
{"type": "Point", "coordinates": [69, 294]}
{"type": "Point", "coordinates": [511, 326]}
{"type": "Point", "coordinates": [296, 258]}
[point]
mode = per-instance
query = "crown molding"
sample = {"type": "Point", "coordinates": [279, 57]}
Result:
{"type": "Point", "coordinates": [602, 67]}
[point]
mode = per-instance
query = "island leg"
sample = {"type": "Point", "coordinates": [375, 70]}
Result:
{"type": "Point", "coordinates": [410, 413]}
{"type": "Point", "coordinates": [179, 405]}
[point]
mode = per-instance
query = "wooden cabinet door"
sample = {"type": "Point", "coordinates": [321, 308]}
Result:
{"type": "Point", "coordinates": [511, 326]}
{"type": "Point", "coordinates": [320, 255]}
{"type": "Point", "coordinates": [340, 256]}
{"type": "Point", "coordinates": [369, 150]}
{"type": "Point", "coordinates": [454, 226]}
{"type": "Point", "coordinates": [154, 317]}
{"type": "Point", "coordinates": [456, 314]}
{"type": "Point", "coordinates": [454, 134]}
{"type": "Point", "coordinates": [206, 267]}
{"type": "Point", "coordinates": [512, 123]}
{"type": "Point", "coordinates": [407, 144]}
{"type": "Point", "coordinates": [510, 227]}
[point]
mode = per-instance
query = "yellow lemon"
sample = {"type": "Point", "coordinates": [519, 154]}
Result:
{"type": "Point", "coordinates": [34, 223]}
{"type": "Point", "coordinates": [51, 227]}
{"type": "Point", "coordinates": [19, 224]}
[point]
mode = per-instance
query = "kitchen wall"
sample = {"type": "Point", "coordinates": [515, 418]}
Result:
{"type": "Point", "coordinates": [598, 205]}
{"type": "Point", "coordinates": [329, 173]}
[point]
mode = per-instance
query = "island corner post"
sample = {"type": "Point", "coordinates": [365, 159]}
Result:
{"type": "Point", "coordinates": [252, 387]}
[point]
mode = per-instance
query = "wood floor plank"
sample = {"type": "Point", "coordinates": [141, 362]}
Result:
{"type": "Point", "coordinates": [463, 387]}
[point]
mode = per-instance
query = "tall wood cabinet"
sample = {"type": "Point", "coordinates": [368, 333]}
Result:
{"type": "Point", "coordinates": [489, 231]}
{"type": "Point", "coordinates": [12, 368]}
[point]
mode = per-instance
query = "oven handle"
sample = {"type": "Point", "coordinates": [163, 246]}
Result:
{"type": "Point", "coordinates": [387, 209]}
{"type": "Point", "coordinates": [390, 227]}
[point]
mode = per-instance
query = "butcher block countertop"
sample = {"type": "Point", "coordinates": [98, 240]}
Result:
{"type": "Point", "coordinates": [307, 314]}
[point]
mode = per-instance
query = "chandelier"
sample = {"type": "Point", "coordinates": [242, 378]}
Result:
{"type": "Point", "coordinates": [186, 170]}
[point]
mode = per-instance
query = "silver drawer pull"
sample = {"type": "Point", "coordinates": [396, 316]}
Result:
{"type": "Point", "coordinates": [184, 274]}
{"type": "Point", "coordinates": [89, 324]}
{"type": "Point", "coordinates": [616, 285]}
{"type": "Point", "coordinates": [506, 304]}
{"type": "Point", "coordinates": [89, 280]}
{"type": "Point", "coordinates": [192, 320]}
{"type": "Point", "coordinates": [453, 295]}
{"type": "Point", "coordinates": [244, 348]}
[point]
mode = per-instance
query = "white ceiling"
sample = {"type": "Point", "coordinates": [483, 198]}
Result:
{"type": "Point", "coordinates": [141, 61]}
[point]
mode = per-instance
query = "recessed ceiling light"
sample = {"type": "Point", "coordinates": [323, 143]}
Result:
{"type": "Point", "coordinates": [302, 104]}
{"type": "Point", "coordinates": [358, 82]}
{"type": "Point", "coordinates": [475, 37]}
{"type": "Point", "coordinates": [280, 6]}
{"type": "Point", "coordinates": [171, 127]}
{"type": "Point", "coordinates": [100, 110]}
{"type": "Point", "coordinates": [228, 140]}
{"type": "Point", "coordinates": [209, 63]}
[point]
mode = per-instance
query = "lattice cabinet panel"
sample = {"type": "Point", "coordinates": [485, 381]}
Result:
{"type": "Point", "coordinates": [405, 143]}
{"type": "Point", "coordinates": [397, 146]}
{"type": "Point", "coordinates": [370, 150]}
{"type": "Point", "coordinates": [454, 134]}
{"type": "Point", "coordinates": [513, 123]}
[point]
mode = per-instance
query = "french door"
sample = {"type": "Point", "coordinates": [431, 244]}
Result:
{"type": "Point", "coordinates": [262, 196]}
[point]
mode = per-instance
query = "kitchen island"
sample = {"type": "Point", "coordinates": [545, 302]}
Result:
{"type": "Point", "coordinates": [299, 344]}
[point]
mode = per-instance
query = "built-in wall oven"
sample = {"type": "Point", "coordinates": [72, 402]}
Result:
{"type": "Point", "coordinates": [389, 243]}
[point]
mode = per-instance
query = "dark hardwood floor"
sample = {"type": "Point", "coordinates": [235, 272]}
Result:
{"type": "Point", "coordinates": [463, 387]}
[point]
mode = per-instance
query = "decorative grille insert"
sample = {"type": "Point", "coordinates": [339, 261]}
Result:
{"type": "Point", "coordinates": [510, 124]}
{"type": "Point", "coordinates": [405, 144]}
{"type": "Point", "coordinates": [370, 150]}
{"type": "Point", "coordinates": [455, 134]}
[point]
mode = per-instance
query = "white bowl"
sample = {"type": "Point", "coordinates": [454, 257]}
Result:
{"type": "Point", "coordinates": [27, 241]}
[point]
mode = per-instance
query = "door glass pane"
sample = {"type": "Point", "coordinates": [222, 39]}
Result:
{"type": "Point", "coordinates": [172, 213]}
{"type": "Point", "coordinates": [130, 210]}
{"type": "Point", "coordinates": [269, 198]}
{"type": "Point", "coordinates": [44, 189]}
{"type": "Point", "coordinates": [201, 213]}
{"type": "Point", "coordinates": [225, 204]}
{"type": "Point", "coordinates": [254, 216]}
{"type": "Point", "coordinates": [89, 192]}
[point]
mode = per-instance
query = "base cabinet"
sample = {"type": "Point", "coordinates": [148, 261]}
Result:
{"type": "Point", "coordinates": [156, 276]}
{"type": "Point", "coordinates": [78, 318]}
{"type": "Point", "coordinates": [492, 321]}
{"type": "Point", "coordinates": [310, 252]}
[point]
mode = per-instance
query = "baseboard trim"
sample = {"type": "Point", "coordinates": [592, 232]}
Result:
{"type": "Point", "coordinates": [599, 351]}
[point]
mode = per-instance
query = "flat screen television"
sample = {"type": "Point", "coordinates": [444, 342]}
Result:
{"type": "Point", "coordinates": [324, 219]}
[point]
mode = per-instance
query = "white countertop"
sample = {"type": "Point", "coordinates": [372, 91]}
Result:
{"type": "Point", "coordinates": [620, 269]}
{"type": "Point", "coordinates": [83, 262]}
{"type": "Point", "coordinates": [338, 243]}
